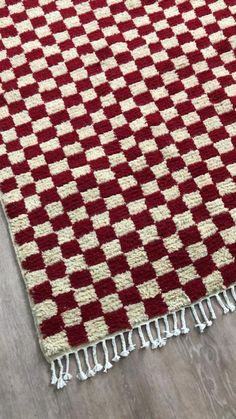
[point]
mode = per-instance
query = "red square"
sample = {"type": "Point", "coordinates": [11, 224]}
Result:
{"type": "Point", "coordinates": [155, 306]}
{"type": "Point", "coordinates": [52, 326]}
{"type": "Point", "coordinates": [65, 301]}
{"type": "Point", "coordinates": [105, 287]}
{"type": "Point", "coordinates": [76, 335]}
{"type": "Point", "coordinates": [130, 296]}
{"type": "Point", "coordinates": [91, 311]}
{"type": "Point", "coordinates": [117, 320]}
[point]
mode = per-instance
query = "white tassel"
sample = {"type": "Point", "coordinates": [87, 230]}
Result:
{"type": "Point", "coordinates": [60, 382]}
{"type": "Point", "coordinates": [167, 330]}
{"type": "Point", "coordinates": [161, 341]}
{"type": "Point", "coordinates": [124, 351]}
{"type": "Point", "coordinates": [97, 366]}
{"type": "Point", "coordinates": [176, 331]}
{"type": "Point", "coordinates": [53, 376]}
{"type": "Point", "coordinates": [230, 305]}
{"type": "Point", "coordinates": [107, 365]}
{"type": "Point", "coordinates": [184, 329]}
{"type": "Point", "coordinates": [81, 375]}
{"type": "Point", "coordinates": [67, 376]}
{"type": "Point", "coordinates": [211, 309]}
{"type": "Point", "coordinates": [116, 357]}
{"type": "Point", "coordinates": [131, 346]}
{"type": "Point", "coordinates": [198, 323]}
{"type": "Point", "coordinates": [144, 343]}
{"type": "Point", "coordinates": [233, 292]}
{"type": "Point", "coordinates": [154, 342]}
{"type": "Point", "coordinates": [207, 321]}
{"type": "Point", "coordinates": [223, 306]}
{"type": "Point", "coordinates": [90, 372]}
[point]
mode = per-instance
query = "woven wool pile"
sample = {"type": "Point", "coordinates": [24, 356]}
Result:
{"type": "Point", "coordinates": [117, 168]}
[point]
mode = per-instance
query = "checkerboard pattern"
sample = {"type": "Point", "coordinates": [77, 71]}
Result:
{"type": "Point", "coordinates": [118, 158]}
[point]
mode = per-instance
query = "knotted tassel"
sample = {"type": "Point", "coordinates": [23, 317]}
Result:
{"type": "Point", "coordinates": [176, 331]}
{"type": "Point", "coordinates": [54, 378]}
{"type": "Point", "coordinates": [97, 366]}
{"type": "Point", "coordinates": [221, 303]}
{"type": "Point", "coordinates": [90, 372]}
{"type": "Point", "coordinates": [116, 357]}
{"type": "Point", "coordinates": [144, 343]}
{"type": "Point", "coordinates": [198, 323]}
{"type": "Point", "coordinates": [167, 330]}
{"type": "Point", "coordinates": [60, 382]}
{"type": "Point", "coordinates": [124, 351]}
{"type": "Point", "coordinates": [160, 339]}
{"type": "Point", "coordinates": [154, 342]}
{"type": "Point", "coordinates": [233, 292]}
{"type": "Point", "coordinates": [184, 329]}
{"type": "Point", "coordinates": [230, 305]}
{"type": "Point", "coordinates": [210, 307]}
{"type": "Point", "coordinates": [131, 346]}
{"type": "Point", "coordinates": [207, 321]}
{"type": "Point", "coordinates": [107, 365]}
{"type": "Point", "coordinates": [81, 375]}
{"type": "Point", "coordinates": [67, 376]}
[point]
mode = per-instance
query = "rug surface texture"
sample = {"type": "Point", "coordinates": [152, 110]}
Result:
{"type": "Point", "coordinates": [118, 165]}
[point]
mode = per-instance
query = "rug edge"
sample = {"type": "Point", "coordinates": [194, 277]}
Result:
{"type": "Point", "coordinates": [203, 315]}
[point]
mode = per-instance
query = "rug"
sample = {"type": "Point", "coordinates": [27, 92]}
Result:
{"type": "Point", "coordinates": [118, 169]}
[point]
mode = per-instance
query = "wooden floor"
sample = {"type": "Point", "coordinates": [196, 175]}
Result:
{"type": "Point", "coordinates": [193, 377]}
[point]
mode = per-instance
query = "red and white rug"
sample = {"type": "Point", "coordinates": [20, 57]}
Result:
{"type": "Point", "coordinates": [118, 169]}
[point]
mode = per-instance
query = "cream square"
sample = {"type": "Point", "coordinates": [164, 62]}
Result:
{"type": "Point", "coordinates": [184, 220]}
{"type": "Point", "coordinates": [123, 281]}
{"type": "Point", "coordinates": [186, 274]}
{"type": "Point", "coordinates": [85, 295]}
{"type": "Point", "coordinates": [72, 317]}
{"type": "Point", "coordinates": [148, 234]}
{"type": "Point", "coordinates": [124, 227]}
{"type": "Point", "coordinates": [88, 241]}
{"type": "Point", "coordinates": [52, 256]}
{"type": "Point", "coordinates": [192, 199]}
{"type": "Point", "coordinates": [55, 344]}
{"type": "Point", "coordinates": [32, 202]}
{"type": "Point", "coordinates": [215, 207]}
{"type": "Point", "coordinates": [100, 271]}
{"type": "Point", "coordinates": [173, 243]}
{"type": "Point", "coordinates": [112, 249]}
{"type": "Point", "coordinates": [127, 182]}
{"type": "Point", "coordinates": [60, 286]}
{"type": "Point", "coordinates": [207, 228]}
{"type": "Point", "coordinates": [162, 266]}
{"type": "Point", "coordinates": [160, 213]}
{"type": "Point", "coordinates": [213, 282]}
{"type": "Point", "coordinates": [96, 329]}
{"type": "Point", "coordinates": [74, 264]}
{"type": "Point", "coordinates": [137, 206]}
{"type": "Point", "coordinates": [197, 251]}
{"type": "Point", "coordinates": [45, 310]}
{"type": "Point", "coordinates": [229, 235]}
{"type": "Point", "coordinates": [136, 257]}
{"type": "Point", "coordinates": [54, 209]}
{"type": "Point", "coordinates": [101, 220]}
{"type": "Point", "coordinates": [222, 257]}
{"type": "Point", "coordinates": [136, 313]}
{"type": "Point", "coordinates": [67, 189]}
{"type": "Point", "coordinates": [149, 289]}
{"type": "Point", "coordinates": [176, 299]}
{"type": "Point", "coordinates": [111, 303]}
{"type": "Point", "coordinates": [65, 235]}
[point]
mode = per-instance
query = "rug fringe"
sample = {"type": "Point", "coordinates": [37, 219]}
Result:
{"type": "Point", "coordinates": [149, 333]}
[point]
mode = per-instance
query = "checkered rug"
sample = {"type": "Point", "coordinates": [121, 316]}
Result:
{"type": "Point", "coordinates": [118, 169]}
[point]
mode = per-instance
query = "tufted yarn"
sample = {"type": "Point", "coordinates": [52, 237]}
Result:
{"type": "Point", "coordinates": [118, 169]}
